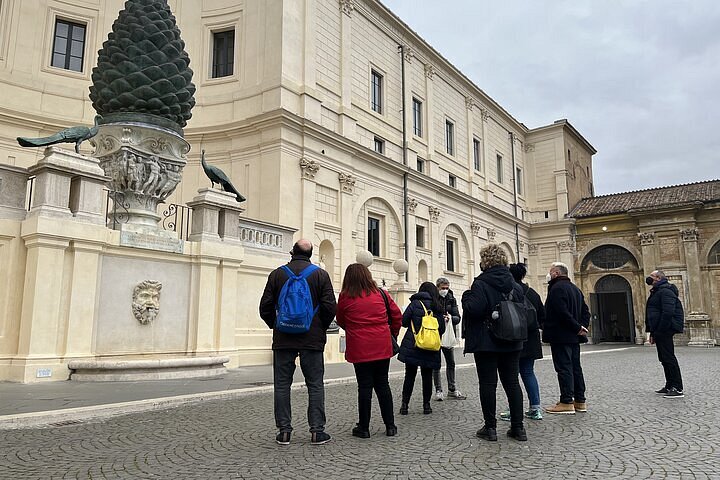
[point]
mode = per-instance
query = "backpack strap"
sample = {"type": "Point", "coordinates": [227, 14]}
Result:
{"type": "Point", "coordinates": [304, 274]}
{"type": "Point", "coordinates": [387, 305]}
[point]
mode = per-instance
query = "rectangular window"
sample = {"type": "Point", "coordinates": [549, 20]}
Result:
{"type": "Point", "coordinates": [68, 46]}
{"type": "Point", "coordinates": [420, 165]}
{"type": "Point", "coordinates": [450, 137]}
{"type": "Point", "coordinates": [452, 181]}
{"type": "Point", "coordinates": [450, 250]}
{"type": "Point", "coordinates": [223, 53]}
{"type": "Point", "coordinates": [417, 117]}
{"type": "Point", "coordinates": [379, 145]}
{"type": "Point", "coordinates": [499, 168]}
{"type": "Point", "coordinates": [519, 181]}
{"type": "Point", "coordinates": [420, 236]}
{"type": "Point", "coordinates": [374, 236]}
{"type": "Point", "coordinates": [376, 91]}
{"type": "Point", "coordinates": [476, 153]}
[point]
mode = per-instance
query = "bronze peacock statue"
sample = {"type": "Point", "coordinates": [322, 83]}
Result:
{"type": "Point", "coordinates": [218, 176]}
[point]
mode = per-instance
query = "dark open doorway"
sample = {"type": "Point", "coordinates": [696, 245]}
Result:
{"type": "Point", "coordinates": [611, 308]}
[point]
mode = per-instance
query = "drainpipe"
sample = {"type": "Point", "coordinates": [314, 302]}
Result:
{"type": "Point", "coordinates": [515, 193]}
{"type": "Point", "coordinates": [401, 48]}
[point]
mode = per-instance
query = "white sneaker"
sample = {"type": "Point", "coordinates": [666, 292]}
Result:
{"type": "Point", "coordinates": [457, 394]}
{"type": "Point", "coordinates": [439, 396]}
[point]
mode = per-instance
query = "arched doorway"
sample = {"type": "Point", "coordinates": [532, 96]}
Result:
{"type": "Point", "coordinates": [422, 271]}
{"type": "Point", "coordinates": [612, 318]}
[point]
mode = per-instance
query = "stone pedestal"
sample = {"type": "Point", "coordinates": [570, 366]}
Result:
{"type": "Point", "coordinates": [699, 328]}
{"type": "Point", "coordinates": [68, 184]}
{"type": "Point", "coordinates": [216, 216]}
{"type": "Point", "coordinates": [144, 163]}
{"type": "Point", "coordinates": [13, 191]}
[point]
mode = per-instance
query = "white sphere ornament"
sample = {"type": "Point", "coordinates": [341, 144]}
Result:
{"type": "Point", "coordinates": [364, 257]}
{"type": "Point", "coordinates": [400, 266]}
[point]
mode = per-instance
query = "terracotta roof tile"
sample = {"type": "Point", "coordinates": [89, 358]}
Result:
{"type": "Point", "coordinates": [704, 192]}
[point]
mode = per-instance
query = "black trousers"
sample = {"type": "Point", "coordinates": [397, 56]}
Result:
{"type": "Point", "coordinates": [374, 376]}
{"type": "Point", "coordinates": [488, 366]}
{"type": "Point", "coordinates": [409, 383]}
{"type": "Point", "coordinates": [313, 368]}
{"type": "Point", "coordinates": [666, 355]}
{"type": "Point", "coordinates": [566, 359]}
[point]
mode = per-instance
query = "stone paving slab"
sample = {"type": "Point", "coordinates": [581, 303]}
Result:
{"type": "Point", "coordinates": [629, 432]}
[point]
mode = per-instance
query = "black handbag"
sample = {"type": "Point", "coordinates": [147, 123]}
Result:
{"type": "Point", "coordinates": [395, 346]}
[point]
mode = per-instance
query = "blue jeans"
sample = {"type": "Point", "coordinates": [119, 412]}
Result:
{"type": "Point", "coordinates": [527, 373]}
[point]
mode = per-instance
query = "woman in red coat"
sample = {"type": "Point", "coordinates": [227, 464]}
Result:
{"type": "Point", "coordinates": [368, 324]}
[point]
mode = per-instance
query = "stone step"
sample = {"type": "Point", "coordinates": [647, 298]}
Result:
{"type": "Point", "coordinates": [113, 370]}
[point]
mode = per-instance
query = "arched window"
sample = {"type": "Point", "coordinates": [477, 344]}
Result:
{"type": "Point", "coordinates": [714, 256]}
{"type": "Point", "coordinates": [608, 257]}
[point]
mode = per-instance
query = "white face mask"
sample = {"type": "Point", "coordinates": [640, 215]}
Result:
{"type": "Point", "coordinates": [443, 293]}
{"type": "Point", "coordinates": [548, 277]}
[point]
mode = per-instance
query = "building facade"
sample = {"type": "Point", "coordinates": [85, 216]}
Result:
{"type": "Point", "coordinates": [335, 120]}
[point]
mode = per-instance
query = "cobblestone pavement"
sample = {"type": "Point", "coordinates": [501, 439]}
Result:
{"type": "Point", "coordinates": [629, 432]}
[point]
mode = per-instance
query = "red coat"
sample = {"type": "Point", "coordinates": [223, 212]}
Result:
{"type": "Point", "coordinates": [365, 322]}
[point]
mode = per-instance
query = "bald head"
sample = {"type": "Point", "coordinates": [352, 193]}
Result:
{"type": "Point", "coordinates": [303, 247]}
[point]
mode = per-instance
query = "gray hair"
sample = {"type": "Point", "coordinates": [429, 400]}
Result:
{"type": "Point", "coordinates": [660, 274]}
{"type": "Point", "coordinates": [442, 281]}
{"type": "Point", "coordinates": [562, 268]}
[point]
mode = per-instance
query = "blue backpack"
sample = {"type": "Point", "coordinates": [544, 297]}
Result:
{"type": "Point", "coordinates": [295, 310]}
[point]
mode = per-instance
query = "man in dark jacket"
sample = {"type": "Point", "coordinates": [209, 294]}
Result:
{"type": "Point", "coordinates": [664, 317]}
{"type": "Point", "coordinates": [451, 315]}
{"type": "Point", "coordinates": [493, 357]}
{"type": "Point", "coordinates": [309, 345]}
{"type": "Point", "coordinates": [566, 320]}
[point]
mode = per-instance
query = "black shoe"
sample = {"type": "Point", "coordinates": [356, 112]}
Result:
{"type": "Point", "coordinates": [391, 430]}
{"type": "Point", "coordinates": [489, 434]}
{"type": "Point", "coordinates": [359, 432]}
{"type": "Point", "coordinates": [319, 438]}
{"type": "Point", "coordinates": [674, 393]}
{"type": "Point", "coordinates": [662, 391]}
{"type": "Point", "coordinates": [518, 434]}
{"type": "Point", "coordinates": [283, 438]}
{"type": "Point", "coordinates": [403, 408]}
{"type": "Point", "coordinates": [426, 408]}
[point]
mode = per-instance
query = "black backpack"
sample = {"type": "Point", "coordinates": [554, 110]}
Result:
{"type": "Point", "coordinates": [509, 320]}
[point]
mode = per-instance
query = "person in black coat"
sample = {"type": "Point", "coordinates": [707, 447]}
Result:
{"type": "Point", "coordinates": [664, 317]}
{"type": "Point", "coordinates": [309, 345]}
{"type": "Point", "coordinates": [493, 357]}
{"type": "Point", "coordinates": [566, 320]}
{"type": "Point", "coordinates": [532, 348]}
{"type": "Point", "coordinates": [449, 307]}
{"type": "Point", "coordinates": [414, 357]}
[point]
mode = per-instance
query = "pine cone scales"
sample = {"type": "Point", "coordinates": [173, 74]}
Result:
{"type": "Point", "coordinates": [143, 67]}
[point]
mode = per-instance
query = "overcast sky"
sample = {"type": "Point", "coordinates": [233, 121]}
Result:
{"type": "Point", "coordinates": [639, 79]}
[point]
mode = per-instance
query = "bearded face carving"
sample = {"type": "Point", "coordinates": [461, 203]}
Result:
{"type": "Point", "coordinates": [146, 301]}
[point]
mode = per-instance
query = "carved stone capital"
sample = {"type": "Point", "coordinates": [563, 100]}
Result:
{"type": "Point", "coordinates": [409, 54]}
{"type": "Point", "coordinates": [532, 249]}
{"type": "Point", "coordinates": [646, 238]}
{"type": "Point", "coordinates": [309, 168]}
{"type": "Point", "coordinates": [434, 214]}
{"type": "Point", "coordinates": [529, 147]}
{"type": "Point", "coordinates": [411, 205]}
{"type": "Point", "coordinates": [475, 227]}
{"type": "Point", "coordinates": [469, 103]}
{"type": "Point", "coordinates": [689, 234]}
{"type": "Point", "coordinates": [485, 114]}
{"type": "Point", "coordinates": [521, 246]}
{"type": "Point", "coordinates": [347, 7]}
{"type": "Point", "coordinates": [347, 182]}
{"type": "Point", "coordinates": [429, 71]}
{"type": "Point", "coordinates": [491, 234]}
{"type": "Point", "coordinates": [566, 246]}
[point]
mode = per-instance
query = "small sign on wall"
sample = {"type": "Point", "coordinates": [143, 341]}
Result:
{"type": "Point", "coordinates": [43, 373]}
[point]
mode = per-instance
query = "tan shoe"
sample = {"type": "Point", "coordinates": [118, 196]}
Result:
{"type": "Point", "coordinates": [580, 406]}
{"type": "Point", "coordinates": [562, 408]}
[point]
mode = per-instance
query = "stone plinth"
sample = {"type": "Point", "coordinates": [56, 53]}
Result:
{"type": "Point", "coordinates": [13, 191]}
{"type": "Point", "coordinates": [699, 328]}
{"type": "Point", "coordinates": [136, 370]}
{"type": "Point", "coordinates": [216, 215]}
{"type": "Point", "coordinates": [68, 184]}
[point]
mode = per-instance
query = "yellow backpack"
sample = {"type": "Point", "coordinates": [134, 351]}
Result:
{"type": "Point", "coordinates": [428, 338]}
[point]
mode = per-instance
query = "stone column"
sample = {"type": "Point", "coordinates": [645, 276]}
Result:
{"type": "Point", "coordinates": [436, 243]}
{"type": "Point", "coordinates": [475, 227]}
{"type": "Point", "coordinates": [347, 223]}
{"type": "Point", "coordinates": [308, 188]}
{"type": "Point", "coordinates": [411, 205]}
{"type": "Point", "coordinates": [216, 216]}
{"type": "Point", "coordinates": [347, 123]}
{"type": "Point", "coordinates": [567, 255]}
{"type": "Point", "coordinates": [469, 103]}
{"type": "Point", "coordinates": [429, 109]}
{"type": "Point", "coordinates": [87, 257]}
{"type": "Point", "coordinates": [697, 321]}
{"type": "Point", "coordinates": [13, 191]}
